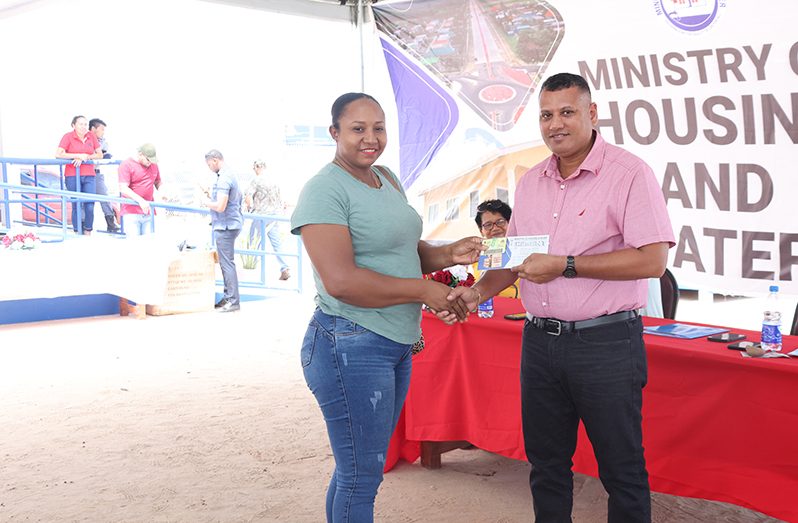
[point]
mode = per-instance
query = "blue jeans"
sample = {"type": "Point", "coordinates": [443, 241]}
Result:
{"type": "Point", "coordinates": [360, 380]}
{"type": "Point", "coordinates": [596, 375]}
{"type": "Point", "coordinates": [87, 185]}
{"type": "Point", "coordinates": [274, 238]}
{"type": "Point", "coordinates": [138, 224]}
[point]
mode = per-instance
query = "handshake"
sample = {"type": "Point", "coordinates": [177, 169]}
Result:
{"type": "Point", "coordinates": [452, 305]}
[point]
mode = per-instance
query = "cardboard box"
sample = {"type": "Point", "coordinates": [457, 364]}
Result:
{"type": "Point", "coordinates": [191, 286]}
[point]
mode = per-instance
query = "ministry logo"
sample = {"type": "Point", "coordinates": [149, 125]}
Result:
{"type": "Point", "coordinates": [690, 16]}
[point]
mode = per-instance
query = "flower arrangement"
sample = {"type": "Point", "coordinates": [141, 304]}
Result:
{"type": "Point", "coordinates": [456, 276]}
{"type": "Point", "coordinates": [20, 240]}
{"type": "Point", "coordinates": [452, 278]}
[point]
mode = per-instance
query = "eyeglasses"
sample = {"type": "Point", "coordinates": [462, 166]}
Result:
{"type": "Point", "coordinates": [501, 222]}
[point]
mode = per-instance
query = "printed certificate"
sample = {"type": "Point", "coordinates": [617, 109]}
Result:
{"type": "Point", "coordinates": [503, 253]}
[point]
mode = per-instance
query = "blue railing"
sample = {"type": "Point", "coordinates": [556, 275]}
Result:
{"type": "Point", "coordinates": [40, 207]}
{"type": "Point", "coordinates": [45, 219]}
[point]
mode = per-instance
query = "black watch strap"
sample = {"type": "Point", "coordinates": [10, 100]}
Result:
{"type": "Point", "coordinates": [570, 268]}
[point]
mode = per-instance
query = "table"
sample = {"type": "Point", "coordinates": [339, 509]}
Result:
{"type": "Point", "coordinates": [138, 269]}
{"type": "Point", "coordinates": [715, 425]}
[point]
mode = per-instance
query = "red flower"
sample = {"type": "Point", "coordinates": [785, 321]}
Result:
{"type": "Point", "coordinates": [15, 240]}
{"type": "Point", "coordinates": [444, 277]}
{"type": "Point", "coordinates": [468, 282]}
{"type": "Point", "coordinates": [447, 278]}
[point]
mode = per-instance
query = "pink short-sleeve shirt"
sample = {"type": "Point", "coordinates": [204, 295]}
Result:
{"type": "Point", "coordinates": [612, 202]}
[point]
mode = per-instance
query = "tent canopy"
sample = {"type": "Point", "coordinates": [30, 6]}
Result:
{"type": "Point", "coordinates": [323, 9]}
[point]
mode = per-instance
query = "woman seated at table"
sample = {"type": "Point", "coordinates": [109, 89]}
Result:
{"type": "Point", "coordinates": [492, 219]}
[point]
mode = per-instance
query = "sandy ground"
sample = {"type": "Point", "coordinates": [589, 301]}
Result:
{"type": "Point", "coordinates": [206, 418]}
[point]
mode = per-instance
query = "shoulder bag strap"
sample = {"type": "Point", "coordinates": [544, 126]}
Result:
{"type": "Point", "coordinates": [387, 175]}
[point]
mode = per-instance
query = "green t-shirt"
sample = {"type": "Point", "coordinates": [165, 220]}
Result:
{"type": "Point", "coordinates": [385, 232]}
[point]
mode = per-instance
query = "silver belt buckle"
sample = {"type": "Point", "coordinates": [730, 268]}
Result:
{"type": "Point", "coordinates": [559, 327]}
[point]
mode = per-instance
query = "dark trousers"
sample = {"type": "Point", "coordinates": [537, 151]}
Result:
{"type": "Point", "coordinates": [596, 375]}
{"type": "Point", "coordinates": [226, 248]}
{"type": "Point", "coordinates": [101, 188]}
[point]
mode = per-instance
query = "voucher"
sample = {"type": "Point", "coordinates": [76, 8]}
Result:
{"type": "Point", "coordinates": [504, 253]}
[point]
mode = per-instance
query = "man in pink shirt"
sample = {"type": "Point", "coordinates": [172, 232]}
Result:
{"type": "Point", "coordinates": [582, 354]}
{"type": "Point", "coordinates": [138, 179]}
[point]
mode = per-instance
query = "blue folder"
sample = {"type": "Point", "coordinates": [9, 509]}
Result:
{"type": "Point", "coordinates": [680, 330]}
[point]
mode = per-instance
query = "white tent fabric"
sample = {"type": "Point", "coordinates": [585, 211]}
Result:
{"type": "Point", "coordinates": [704, 96]}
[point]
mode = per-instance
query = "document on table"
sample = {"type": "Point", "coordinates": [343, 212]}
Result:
{"type": "Point", "coordinates": [680, 330]}
{"type": "Point", "coordinates": [503, 253]}
{"type": "Point", "coordinates": [770, 354]}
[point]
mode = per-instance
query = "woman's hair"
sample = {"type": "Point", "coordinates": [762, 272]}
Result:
{"type": "Point", "coordinates": [76, 118]}
{"type": "Point", "coordinates": [342, 101]}
{"type": "Point", "coordinates": [496, 206]}
{"type": "Point", "coordinates": [259, 163]}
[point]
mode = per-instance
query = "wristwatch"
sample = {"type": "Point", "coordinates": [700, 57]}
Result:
{"type": "Point", "coordinates": [570, 269]}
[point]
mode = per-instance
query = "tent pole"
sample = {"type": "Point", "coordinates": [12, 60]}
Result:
{"type": "Point", "coordinates": [1, 134]}
{"type": "Point", "coordinates": [361, 19]}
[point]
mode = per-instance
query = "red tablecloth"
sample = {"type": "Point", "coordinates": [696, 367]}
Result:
{"type": "Point", "coordinates": [715, 425]}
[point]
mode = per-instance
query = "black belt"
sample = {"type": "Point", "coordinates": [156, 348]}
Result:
{"type": "Point", "coordinates": [557, 327]}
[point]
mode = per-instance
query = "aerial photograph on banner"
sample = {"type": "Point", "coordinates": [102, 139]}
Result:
{"type": "Point", "coordinates": [492, 53]}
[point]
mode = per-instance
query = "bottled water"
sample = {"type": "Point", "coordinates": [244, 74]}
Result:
{"type": "Point", "coordinates": [771, 324]}
{"type": "Point", "coordinates": [485, 309]}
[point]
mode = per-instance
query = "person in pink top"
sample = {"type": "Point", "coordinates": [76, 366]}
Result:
{"type": "Point", "coordinates": [138, 179]}
{"type": "Point", "coordinates": [582, 354]}
{"type": "Point", "coordinates": [80, 145]}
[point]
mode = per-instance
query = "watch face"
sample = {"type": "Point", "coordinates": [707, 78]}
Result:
{"type": "Point", "coordinates": [570, 269]}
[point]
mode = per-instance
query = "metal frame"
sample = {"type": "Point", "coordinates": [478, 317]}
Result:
{"type": "Point", "coordinates": [8, 190]}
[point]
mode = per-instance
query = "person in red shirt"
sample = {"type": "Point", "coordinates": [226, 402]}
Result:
{"type": "Point", "coordinates": [80, 145]}
{"type": "Point", "coordinates": [138, 179]}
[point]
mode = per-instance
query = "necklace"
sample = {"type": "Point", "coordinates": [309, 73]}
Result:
{"type": "Point", "coordinates": [373, 181]}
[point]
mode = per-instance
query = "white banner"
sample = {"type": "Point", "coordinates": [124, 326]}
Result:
{"type": "Point", "coordinates": [705, 91]}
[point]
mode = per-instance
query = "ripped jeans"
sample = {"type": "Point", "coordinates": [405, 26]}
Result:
{"type": "Point", "coordinates": [360, 380]}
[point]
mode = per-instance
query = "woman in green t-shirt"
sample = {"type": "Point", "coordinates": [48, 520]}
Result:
{"type": "Point", "coordinates": [364, 241]}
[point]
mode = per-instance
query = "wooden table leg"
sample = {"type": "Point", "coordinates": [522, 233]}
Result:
{"type": "Point", "coordinates": [123, 307]}
{"type": "Point", "coordinates": [431, 451]}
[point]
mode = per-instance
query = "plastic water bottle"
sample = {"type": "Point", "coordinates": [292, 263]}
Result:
{"type": "Point", "coordinates": [485, 309]}
{"type": "Point", "coordinates": [771, 324]}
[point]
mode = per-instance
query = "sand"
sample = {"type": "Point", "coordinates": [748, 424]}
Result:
{"type": "Point", "coordinates": [206, 418]}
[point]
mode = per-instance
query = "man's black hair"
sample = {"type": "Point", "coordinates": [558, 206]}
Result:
{"type": "Point", "coordinates": [561, 81]}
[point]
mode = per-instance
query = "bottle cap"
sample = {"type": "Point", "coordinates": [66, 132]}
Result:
{"type": "Point", "coordinates": [774, 288]}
